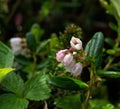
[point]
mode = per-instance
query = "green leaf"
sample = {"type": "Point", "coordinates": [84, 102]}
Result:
{"type": "Point", "coordinates": [100, 104]}
{"type": "Point", "coordinates": [42, 45]}
{"type": "Point", "coordinates": [11, 101]}
{"type": "Point", "coordinates": [31, 42]}
{"type": "Point", "coordinates": [69, 102]}
{"type": "Point", "coordinates": [37, 88]}
{"type": "Point", "coordinates": [111, 51]}
{"type": "Point", "coordinates": [6, 56]}
{"type": "Point", "coordinates": [13, 83]}
{"type": "Point", "coordinates": [109, 74]}
{"type": "Point", "coordinates": [116, 4]}
{"type": "Point", "coordinates": [22, 60]}
{"type": "Point", "coordinates": [94, 49]}
{"type": "Point", "coordinates": [112, 7]}
{"type": "Point", "coordinates": [67, 83]}
{"type": "Point", "coordinates": [37, 31]}
{"type": "Point", "coordinates": [4, 72]}
{"type": "Point", "coordinates": [113, 26]}
{"type": "Point", "coordinates": [54, 42]}
{"type": "Point", "coordinates": [110, 41]}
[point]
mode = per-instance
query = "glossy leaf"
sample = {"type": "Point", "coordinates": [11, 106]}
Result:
{"type": "Point", "coordinates": [6, 56]}
{"type": "Point", "coordinates": [109, 74]}
{"type": "Point", "coordinates": [69, 102]}
{"type": "Point", "coordinates": [37, 88]}
{"type": "Point", "coordinates": [11, 101]}
{"type": "Point", "coordinates": [4, 72]}
{"type": "Point", "coordinates": [31, 42]}
{"type": "Point", "coordinates": [67, 83]}
{"type": "Point", "coordinates": [94, 49]}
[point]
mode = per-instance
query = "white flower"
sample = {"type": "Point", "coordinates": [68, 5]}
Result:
{"type": "Point", "coordinates": [16, 45]}
{"type": "Point", "coordinates": [15, 42]}
{"type": "Point", "coordinates": [77, 69]}
{"type": "Point", "coordinates": [67, 59]}
{"type": "Point", "coordinates": [19, 46]}
{"type": "Point", "coordinates": [76, 43]}
{"type": "Point", "coordinates": [60, 55]}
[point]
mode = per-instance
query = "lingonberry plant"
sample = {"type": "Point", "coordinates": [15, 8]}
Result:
{"type": "Point", "coordinates": [61, 72]}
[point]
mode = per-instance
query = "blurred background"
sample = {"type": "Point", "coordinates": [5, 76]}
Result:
{"type": "Point", "coordinates": [16, 17]}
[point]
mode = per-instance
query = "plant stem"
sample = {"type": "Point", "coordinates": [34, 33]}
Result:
{"type": "Point", "coordinates": [112, 58]}
{"type": "Point", "coordinates": [90, 89]}
{"type": "Point", "coordinates": [108, 64]}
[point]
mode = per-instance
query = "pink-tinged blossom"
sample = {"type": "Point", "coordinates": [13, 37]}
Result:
{"type": "Point", "coordinates": [60, 55]}
{"type": "Point", "coordinates": [70, 66]}
{"type": "Point", "coordinates": [76, 43]}
{"type": "Point", "coordinates": [77, 69]}
{"type": "Point", "coordinates": [67, 59]}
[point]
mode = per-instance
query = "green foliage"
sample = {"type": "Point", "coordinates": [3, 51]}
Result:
{"type": "Point", "coordinates": [3, 6]}
{"type": "Point", "coordinates": [31, 41]}
{"type": "Point", "coordinates": [54, 43]}
{"type": "Point", "coordinates": [46, 9]}
{"type": "Point", "coordinates": [37, 31]}
{"type": "Point", "coordinates": [22, 60]}
{"type": "Point", "coordinates": [112, 7]}
{"type": "Point", "coordinates": [42, 45]}
{"type": "Point", "coordinates": [109, 74]}
{"type": "Point", "coordinates": [69, 102]}
{"type": "Point", "coordinates": [6, 56]}
{"type": "Point", "coordinates": [8, 101]}
{"type": "Point", "coordinates": [13, 82]}
{"type": "Point", "coordinates": [94, 49]}
{"type": "Point", "coordinates": [4, 72]}
{"type": "Point", "coordinates": [100, 104]}
{"type": "Point", "coordinates": [68, 83]}
{"type": "Point", "coordinates": [109, 41]}
{"type": "Point", "coordinates": [113, 26]}
{"type": "Point", "coordinates": [36, 88]}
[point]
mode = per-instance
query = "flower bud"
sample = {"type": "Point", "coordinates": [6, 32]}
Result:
{"type": "Point", "coordinates": [77, 69]}
{"type": "Point", "coordinates": [67, 59]}
{"type": "Point", "coordinates": [70, 66]}
{"type": "Point", "coordinates": [60, 55]}
{"type": "Point", "coordinates": [76, 43]}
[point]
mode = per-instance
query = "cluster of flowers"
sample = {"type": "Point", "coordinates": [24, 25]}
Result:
{"type": "Point", "coordinates": [19, 46]}
{"type": "Point", "coordinates": [66, 57]}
